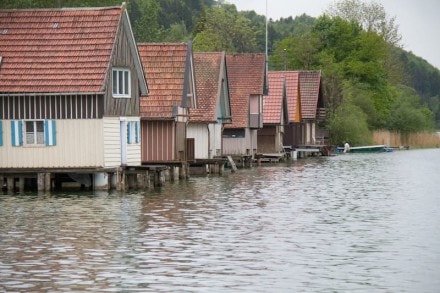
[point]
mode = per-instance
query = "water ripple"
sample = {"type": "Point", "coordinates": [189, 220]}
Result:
{"type": "Point", "coordinates": [366, 223]}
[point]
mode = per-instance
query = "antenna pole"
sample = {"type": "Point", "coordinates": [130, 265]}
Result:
{"type": "Point", "coordinates": [267, 61]}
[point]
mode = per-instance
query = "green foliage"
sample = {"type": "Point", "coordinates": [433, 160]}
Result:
{"type": "Point", "coordinates": [355, 46]}
{"type": "Point", "coordinates": [349, 124]}
{"type": "Point", "coordinates": [146, 28]}
{"type": "Point", "coordinates": [295, 53]}
{"type": "Point", "coordinates": [407, 115]}
{"type": "Point", "coordinates": [370, 15]}
{"type": "Point", "coordinates": [223, 29]}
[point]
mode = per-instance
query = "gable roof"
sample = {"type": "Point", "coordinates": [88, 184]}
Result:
{"type": "Point", "coordinates": [246, 75]}
{"type": "Point", "coordinates": [209, 71]}
{"type": "Point", "coordinates": [273, 102]}
{"type": "Point", "coordinates": [310, 82]}
{"type": "Point", "coordinates": [165, 64]}
{"type": "Point", "coordinates": [66, 50]}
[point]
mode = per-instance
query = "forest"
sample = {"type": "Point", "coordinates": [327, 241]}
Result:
{"type": "Point", "coordinates": [369, 81]}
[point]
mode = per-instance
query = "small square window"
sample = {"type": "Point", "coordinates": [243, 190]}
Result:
{"type": "Point", "coordinates": [121, 83]}
{"type": "Point", "coordinates": [34, 132]}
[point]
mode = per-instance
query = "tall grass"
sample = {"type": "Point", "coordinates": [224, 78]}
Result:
{"type": "Point", "coordinates": [413, 140]}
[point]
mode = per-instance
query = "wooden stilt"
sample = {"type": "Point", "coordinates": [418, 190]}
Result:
{"type": "Point", "coordinates": [47, 182]}
{"type": "Point", "coordinates": [41, 181]}
{"type": "Point", "coordinates": [10, 184]}
{"type": "Point", "coordinates": [20, 184]}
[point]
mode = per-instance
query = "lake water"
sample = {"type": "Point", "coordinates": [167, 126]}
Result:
{"type": "Point", "coordinates": [355, 222]}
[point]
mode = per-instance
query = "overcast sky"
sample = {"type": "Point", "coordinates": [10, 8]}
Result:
{"type": "Point", "coordinates": [418, 20]}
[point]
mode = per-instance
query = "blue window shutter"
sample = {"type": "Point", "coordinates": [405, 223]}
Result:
{"type": "Point", "coordinates": [1, 133]}
{"type": "Point", "coordinates": [138, 132]}
{"type": "Point", "coordinates": [50, 132]}
{"type": "Point", "coordinates": [17, 132]}
{"type": "Point", "coordinates": [129, 134]}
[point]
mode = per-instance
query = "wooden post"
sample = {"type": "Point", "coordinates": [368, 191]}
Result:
{"type": "Point", "coordinates": [10, 184]}
{"type": "Point", "coordinates": [47, 182]}
{"type": "Point", "coordinates": [21, 184]}
{"type": "Point", "coordinates": [157, 178]}
{"type": "Point", "coordinates": [41, 179]}
{"type": "Point", "coordinates": [183, 172]}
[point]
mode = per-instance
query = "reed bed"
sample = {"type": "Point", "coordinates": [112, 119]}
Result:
{"type": "Point", "coordinates": [413, 140]}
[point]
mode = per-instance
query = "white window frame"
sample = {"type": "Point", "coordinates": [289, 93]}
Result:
{"type": "Point", "coordinates": [121, 89]}
{"type": "Point", "coordinates": [133, 132]}
{"type": "Point", "coordinates": [34, 133]}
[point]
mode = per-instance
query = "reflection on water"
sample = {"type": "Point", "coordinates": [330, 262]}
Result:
{"type": "Point", "coordinates": [368, 223]}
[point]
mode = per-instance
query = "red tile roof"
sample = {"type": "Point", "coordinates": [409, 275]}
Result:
{"type": "Point", "coordinates": [56, 50]}
{"type": "Point", "coordinates": [246, 77]}
{"type": "Point", "coordinates": [273, 102]}
{"type": "Point", "coordinates": [164, 66]}
{"type": "Point", "coordinates": [310, 82]}
{"type": "Point", "coordinates": [292, 94]}
{"type": "Point", "coordinates": [207, 67]}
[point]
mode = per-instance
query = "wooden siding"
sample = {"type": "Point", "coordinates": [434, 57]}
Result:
{"type": "Point", "coordinates": [112, 143]}
{"type": "Point", "coordinates": [242, 145]}
{"type": "Point", "coordinates": [292, 135]}
{"type": "Point", "coordinates": [123, 58]}
{"type": "Point", "coordinates": [79, 145]}
{"type": "Point", "coordinates": [208, 139]}
{"type": "Point", "coordinates": [199, 131]}
{"type": "Point", "coordinates": [267, 140]}
{"type": "Point", "coordinates": [255, 111]}
{"type": "Point", "coordinates": [78, 106]}
{"type": "Point", "coordinates": [215, 132]}
{"type": "Point", "coordinates": [180, 153]}
{"type": "Point", "coordinates": [158, 141]}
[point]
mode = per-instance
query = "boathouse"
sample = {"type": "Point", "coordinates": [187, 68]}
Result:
{"type": "Point", "coordinates": [312, 107]}
{"type": "Point", "coordinates": [247, 85]}
{"type": "Point", "coordinates": [275, 117]}
{"type": "Point", "coordinates": [70, 81]}
{"type": "Point", "coordinates": [293, 130]}
{"type": "Point", "coordinates": [207, 121]}
{"type": "Point", "coordinates": [164, 112]}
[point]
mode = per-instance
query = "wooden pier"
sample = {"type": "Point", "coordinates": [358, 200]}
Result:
{"type": "Point", "coordinates": [46, 180]}
{"type": "Point", "coordinates": [207, 166]}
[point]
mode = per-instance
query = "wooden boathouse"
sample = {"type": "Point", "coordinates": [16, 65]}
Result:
{"type": "Point", "coordinates": [70, 83]}
{"type": "Point", "coordinates": [169, 68]}
{"type": "Point", "coordinates": [247, 85]}
{"type": "Point", "coordinates": [206, 123]}
{"type": "Point", "coordinates": [275, 119]}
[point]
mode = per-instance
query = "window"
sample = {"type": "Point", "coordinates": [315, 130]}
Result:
{"type": "Point", "coordinates": [121, 83]}
{"type": "Point", "coordinates": [234, 133]}
{"type": "Point", "coordinates": [133, 132]}
{"type": "Point", "coordinates": [33, 133]}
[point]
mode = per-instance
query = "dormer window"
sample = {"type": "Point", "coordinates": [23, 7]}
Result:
{"type": "Point", "coordinates": [121, 83]}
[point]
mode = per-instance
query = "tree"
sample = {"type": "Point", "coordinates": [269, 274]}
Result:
{"type": "Point", "coordinates": [349, 124]}
{"type": "Point", "coordinates": [146, 27]}
{"type": "Point", "coordinates": [297, 52]}
{"type": "Point", "coordinates": [371, 16]}
{"type": "Point", "coordinates": [407, 115]}
{"type": "Point", "coordinates": [223, 29]}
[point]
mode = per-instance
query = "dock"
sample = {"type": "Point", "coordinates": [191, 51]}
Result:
{"type": "Point", "coordinates": [46, 180]}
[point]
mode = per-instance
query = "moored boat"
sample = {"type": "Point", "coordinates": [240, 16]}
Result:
{"type": "Point", "coordinates": [366, 149]}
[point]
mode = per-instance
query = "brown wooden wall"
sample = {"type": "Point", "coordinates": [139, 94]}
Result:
{"type": "Point", "coordinates": [122, 58]}
{"type": "Point", "coordinates": [292, 135]}
{"type": "Point", "coordinates": [158, 141]}
{"type": "Point", "coordinates": [78, 106]}
{"type": "Point", "coordinates": [266, 139]}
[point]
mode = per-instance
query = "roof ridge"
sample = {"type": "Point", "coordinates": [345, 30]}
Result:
{"type": "Point", "coordinates": [62, 9]}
